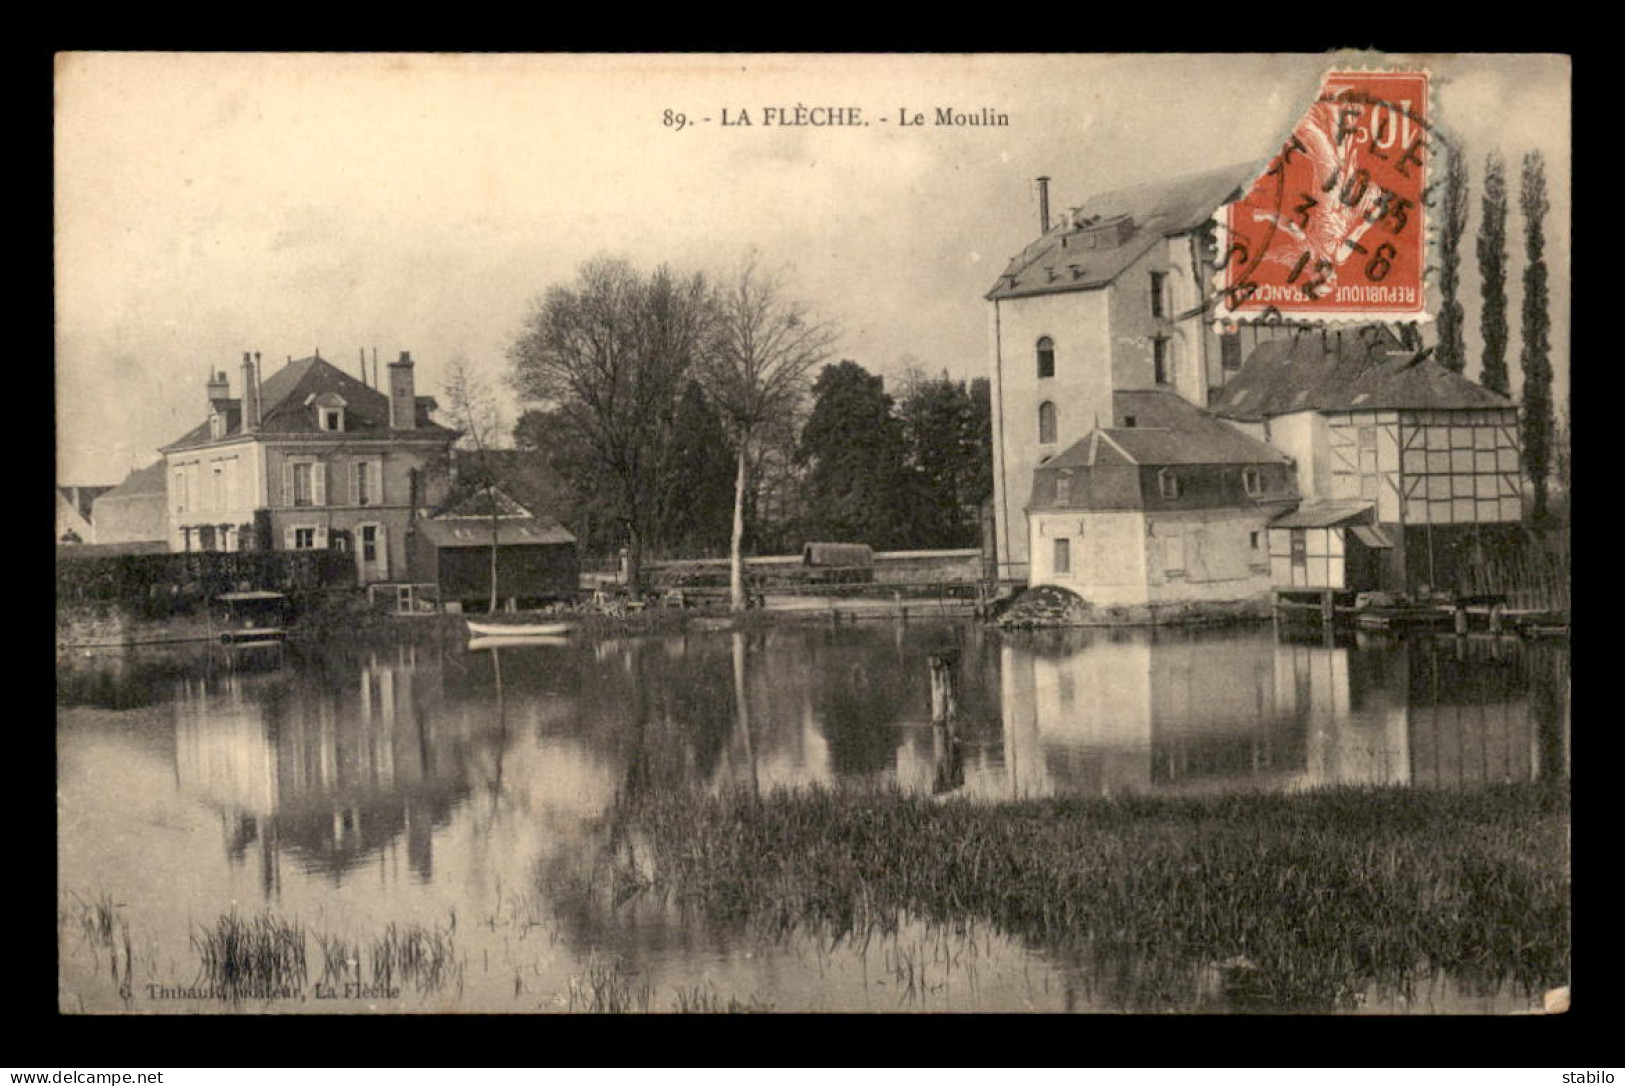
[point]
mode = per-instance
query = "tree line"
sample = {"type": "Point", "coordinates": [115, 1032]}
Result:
{"type": "Point", "coordinates": [1543, 437]}
{"type": "Point", "coordinates": [692, 418]}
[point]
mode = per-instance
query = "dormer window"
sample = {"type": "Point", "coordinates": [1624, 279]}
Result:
{"type": "Point", "coordinates": [329, 412]}
{"type": "Point", "coordinates": [1252, 482]}
{"type": "Point", "coordinates": [217, 426]}
{"type": "Point", "coordinates": [1168, 483]}
{"type": "Point", "coordinates": [1063, 488]}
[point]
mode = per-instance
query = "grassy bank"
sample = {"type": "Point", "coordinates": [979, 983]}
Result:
{"type": "Point", "coordinates": [1293, 901]}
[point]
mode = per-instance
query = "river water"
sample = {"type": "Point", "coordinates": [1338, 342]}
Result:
{"type": "Point", "coordinates": [448, 801]}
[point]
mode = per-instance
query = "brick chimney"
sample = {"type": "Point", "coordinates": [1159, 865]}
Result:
{"type": "Point", "coordinates": [403, 404]}
{"type": "Point", "coordinates": [251, 393]}
{"type": "Point", "coordinates": [219, 390]}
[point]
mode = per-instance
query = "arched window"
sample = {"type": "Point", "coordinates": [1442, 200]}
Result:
{"type": "Point", "coordinates": [1046, 423]}
{"type": "Point", "coordinates": [1046, 356]}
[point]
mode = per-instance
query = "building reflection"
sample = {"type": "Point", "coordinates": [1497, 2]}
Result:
{"type": "Point", "coordinates": [1098, 712]}
{"type": "Point", "coordinates": [333, 773]}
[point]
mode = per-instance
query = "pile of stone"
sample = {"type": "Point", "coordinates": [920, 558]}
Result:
{"type": "Point", "coordinates": [1048, 605]}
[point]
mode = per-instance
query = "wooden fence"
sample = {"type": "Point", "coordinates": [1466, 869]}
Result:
{"type": "Point", "coordinates": [1532, 577]}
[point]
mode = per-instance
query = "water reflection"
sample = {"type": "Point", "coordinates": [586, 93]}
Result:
{"type": "Point", "coordinates": [1097, 713]}
{"type": "Point", "coordinates": [415, 781]}
{"type": "Point", "coordinates": [330, 772]}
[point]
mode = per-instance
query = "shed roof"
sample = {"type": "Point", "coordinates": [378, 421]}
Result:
{"type": "Point", "coordinates": [1347, 371]}
{"type": "Point", "coordinates": [1325, 514]}
{"type": "Point", "coordinates": [1060, 261]}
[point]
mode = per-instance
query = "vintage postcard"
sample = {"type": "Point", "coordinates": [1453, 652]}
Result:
{"type": "Point", "coordinates": [883, 533]}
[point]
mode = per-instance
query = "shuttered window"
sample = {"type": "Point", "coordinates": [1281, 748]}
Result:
{"type": "Point", "coordinates": [304, 482]}
{"type": "Point", "coordinates": [366, 482]}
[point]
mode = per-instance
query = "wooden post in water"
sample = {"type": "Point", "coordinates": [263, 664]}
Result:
{"type": "Point", "coordinates": [1495, 618]}
{"type": "Point", "coordinates": [1326, 613]}
{"type": "Point", "coordinates": [949, 772]}
{"type": "Point", "coordinates": [902, 612]}
{"type": "Point", "coordinates": [1461, 619]}
{"type": "Point", "coordinates": [944, 683]}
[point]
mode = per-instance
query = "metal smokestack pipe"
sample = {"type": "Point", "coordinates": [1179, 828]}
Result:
{"type": "Point", "coordinates": [1043, 205]}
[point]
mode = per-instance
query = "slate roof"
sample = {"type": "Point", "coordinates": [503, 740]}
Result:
{"type": "Point", "coordinates": [476, 531]}
{"type": "Point", "coordinates": [1347, 372]}
{"type": "Point", "coordinates": [1062, 260]}
{"type": "Point", "coordinates": [284, 410]}
{"type": "Point", "coordinates": [1167, 430]}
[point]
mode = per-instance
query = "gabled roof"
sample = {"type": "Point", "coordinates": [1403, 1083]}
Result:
{"type": "Point", "coordinates": [1168, 430]}
{"type": "Point", "coordinates": [82, 498]}
{"type": "Point", "coordinates": [1347, 371]}
{"type": "Point", "coordinates": [139, 483]}
{"type": "Point", "coordinates": [286, 397]}
{"type": "Point", "coordinates": [481, 503]}
{"type": "Point", "coordinates": [522, 474]}
{"type": "Point", "coordinates": [1133, 219]}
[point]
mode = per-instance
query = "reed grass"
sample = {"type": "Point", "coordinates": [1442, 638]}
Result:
{"type": "Point", "coordinates": [245, 957]}
{"type": "Point", "coordinates": [1292, 901]}
{"type": "Point", "coordinates": [705, 999]}
{"type": "Point", "coordinates": [413, 954]}
{"type": "Point", "coordinates": [608, 988]}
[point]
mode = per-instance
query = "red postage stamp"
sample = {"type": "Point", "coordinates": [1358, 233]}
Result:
{"type": "Point", "coordinates": [1334, 229]}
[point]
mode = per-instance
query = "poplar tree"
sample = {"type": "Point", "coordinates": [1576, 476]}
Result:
{"type": "Point", "coordinates": [1492, 270]}
{"type": "Point", "coordinates": [1452, 351]}
{"type": "Point", "coordinates": [1536, 359]}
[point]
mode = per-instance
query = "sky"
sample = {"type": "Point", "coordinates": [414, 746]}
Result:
{"type": "Point", "coordinates": [211, 204]}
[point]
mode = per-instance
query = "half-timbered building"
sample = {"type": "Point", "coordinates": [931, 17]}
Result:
{"type": "Point", "coordinates": [1384, 438]}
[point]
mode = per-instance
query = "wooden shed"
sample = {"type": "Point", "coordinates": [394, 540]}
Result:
{"type": "Point", "coordinates": [536, 560]}
{"type": "Point", "coordinates": [535, 555]}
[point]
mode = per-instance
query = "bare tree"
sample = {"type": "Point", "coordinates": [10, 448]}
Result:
{"type": "Point", "coordinates": [755, 367]}
{"type": "Point", "coordinates": [474, 411]}
{"type": "Point", "coordinates": [610, 352]}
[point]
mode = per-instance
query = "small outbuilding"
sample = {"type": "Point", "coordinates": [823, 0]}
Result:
{"type": "Point", "coordinates": [536, 556]}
